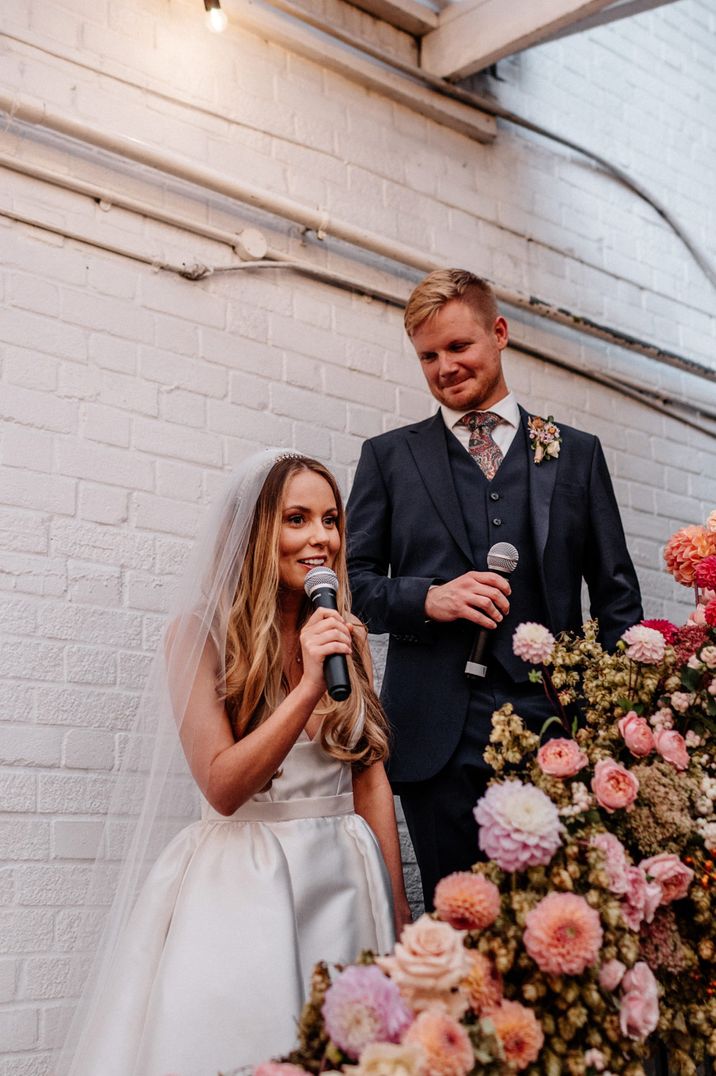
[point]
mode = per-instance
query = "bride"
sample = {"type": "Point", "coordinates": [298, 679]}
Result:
{"type": "Point", "coordinates": [295, 854]}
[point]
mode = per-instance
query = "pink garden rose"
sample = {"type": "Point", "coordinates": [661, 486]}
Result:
{"type": "Point", "coordinates": [616, 862]}
{"type": "Point", "coordinates": [639, 1012]}
{"type": "Point", "coordinates": [672, 747]}
{"type": "Point", "coordinates": [561, 758]}
{"type": "Point", "coordinates": [611, 974]}
{"type": "Point", "coordinates": [673, 876]}
{"type": "Point", "coordinates": [614, 787]}
{"type": "Point", "coordinates": [641, 900]}
{"type": "Point", "coordinates": [428, 964]}
{"type": "Point", "coordinates": [638, 737]}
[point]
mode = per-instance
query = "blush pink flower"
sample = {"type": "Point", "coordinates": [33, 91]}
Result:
{"type": "Point", "coordinates": [444, 1042]}
{"type": "Point", "coordinates": [614, 787]}
{"type": "Point", "coordinates": [364, 1006]}
{"type": "Point", "coordinates": [639, 1011]}
{"type": "Point", "coordinates": [611, 974]}
{"type": "Point", "coordinates": [533, 643]}
{"type": "Point", "coordinates": [428, 964]}
{"type": "Point", "coordinates": [671, 745]}
{"type": "Point", "coordinates": [615, 861]}
{"type": "Point", "coordinates": [563, 934]}
{"type": "Point", "coordinates": [389, 1059]}
{"type": "Point", "coordinates": [561, 758]}
{"type": "Point", "coordinates": [708, 656]}
{"type": "Point", "coordinates": [520, 1033]}
{"type": "Point", "coordinates": [519, 825]}
{"type": "Point", "coordinates": [278, 1068]}
{"type": "Point", "coordinates": [681, 700]}
{"type": "Point", "coordinates": [467, 901]}
{"type": "Point", "coordinates": [673, 876]}
{"type": "Point", "coordinates": [483, 984]}
{"type": "Point", "coordinates": [711, 522]}
{"type": "Point", "coordinates": [641, 899]}
{"type": "Point", "coordinates": [644, 644]}
{"type": "Point", "coordinates": [638, 737]}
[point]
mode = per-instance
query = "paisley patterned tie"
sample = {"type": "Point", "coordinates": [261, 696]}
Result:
{"type": "Point", "coordinates": [482, 448]}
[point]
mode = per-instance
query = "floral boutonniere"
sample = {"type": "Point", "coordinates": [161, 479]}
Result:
{"type": "Point", "coordinates": [545, 438]}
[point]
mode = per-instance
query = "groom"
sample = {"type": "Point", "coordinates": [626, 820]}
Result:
{"type": "Point", "coordinates": [428, 502]}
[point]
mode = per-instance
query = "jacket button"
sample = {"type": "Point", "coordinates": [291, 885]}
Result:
{"type": "Point", "coordinates": [497, 522]}
{"type": "Point", "coordinates": [494, 496]}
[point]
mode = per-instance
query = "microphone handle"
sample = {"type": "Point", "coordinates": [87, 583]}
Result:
{"type": "Point", "coordinates": [475, 665]}
{"type": "Point", "coordinates": [335, 666]}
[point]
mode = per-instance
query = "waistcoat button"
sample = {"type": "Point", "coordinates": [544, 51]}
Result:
{"type": "Point", "coordinates": [494, 496]}
{"type": "Point", "coordinates": [497, 522]}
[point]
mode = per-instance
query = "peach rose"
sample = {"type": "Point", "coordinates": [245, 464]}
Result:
{"type": "Point", "coordinates": [614, 787]}
{"type": "Point", "coordinates": [673, 876]}
{"type": "Point", "coordinates": [671, 745]}
{"type": "Point", "coordinates": [429, 959]}
{"type": "Point", "coordinates": [561, 758]}
{"type": "Point", "coordinates": [638, 737]}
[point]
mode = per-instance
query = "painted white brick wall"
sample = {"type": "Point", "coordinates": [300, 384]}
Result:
{"type": "Point", "coordinates": [125, 393]}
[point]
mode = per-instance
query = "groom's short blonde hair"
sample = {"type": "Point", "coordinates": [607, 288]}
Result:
{"type": "Point", "coordinates": [443, 285]}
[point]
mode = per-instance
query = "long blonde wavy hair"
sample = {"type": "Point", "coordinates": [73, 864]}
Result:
{"type": "Point", "coordinates": [254, 683]}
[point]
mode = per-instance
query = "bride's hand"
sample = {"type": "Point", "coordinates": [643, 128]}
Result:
{"type": "Point", "coordinates": [326, 632]}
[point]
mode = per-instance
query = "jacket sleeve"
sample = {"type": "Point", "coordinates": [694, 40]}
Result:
{"type": "Point", "coordinates": [614, 595]}
{"type": "Point", "coordinates": [386, 600]}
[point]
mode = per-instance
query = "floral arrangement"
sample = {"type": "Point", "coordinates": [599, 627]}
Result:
{"type": "Point", "coordinates": [545, 438]}
{"type": "Point", "coordinates": [588, 934]}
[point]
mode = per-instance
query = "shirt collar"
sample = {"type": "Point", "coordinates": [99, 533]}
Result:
{"type": "Point", "coordinates": [506, 408]}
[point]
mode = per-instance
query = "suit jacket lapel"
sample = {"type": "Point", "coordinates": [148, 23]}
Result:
{"type": "Point", "coordinates": [429, 449]}
{"type": "Point", "coordinates": [542, 478]}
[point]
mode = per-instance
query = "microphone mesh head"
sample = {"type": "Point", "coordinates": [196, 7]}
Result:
{"type": "Point", "coordinates": [501, 557]}
{"type": "Point", "coordinates": [321, 579]}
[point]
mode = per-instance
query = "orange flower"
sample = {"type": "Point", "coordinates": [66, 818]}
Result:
{"type": "Point", "coordinates": [519, 1031]}
{"type": "Point", "coordinates": [467, 901]}
{"type": "Point", "coordinates": [445, 1043]}
{"type": "Point", "coordinates": [483, 985]}
{"type": "Point", "coordinates": [686, 549]}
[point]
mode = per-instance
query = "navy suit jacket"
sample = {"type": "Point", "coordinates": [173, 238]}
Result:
{"type": "Point", "coordinates": [406, 531]}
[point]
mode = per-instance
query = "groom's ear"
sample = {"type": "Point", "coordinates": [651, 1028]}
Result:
{"type": "Point", "coordinates": [501, 332]}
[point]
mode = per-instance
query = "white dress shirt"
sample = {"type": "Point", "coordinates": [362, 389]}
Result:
{"type": "Point", "coordinates": [503, 434]}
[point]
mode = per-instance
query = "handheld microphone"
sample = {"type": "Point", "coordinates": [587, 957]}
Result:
{"type": "Point", "coordinates": [501, 558]}
{"type": "Point", "coordinates": [321, 585]}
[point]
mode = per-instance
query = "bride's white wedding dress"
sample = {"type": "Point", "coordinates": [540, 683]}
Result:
{"type": "Point", "coordinates": [219, 949]}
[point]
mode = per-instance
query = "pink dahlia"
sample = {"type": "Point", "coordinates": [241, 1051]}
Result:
{"type": "Point", "coordinates": [685, 550]}
{"type": "Point", "coordinates": [533, 642]}
{"type": "Point", "coordinates": [519, 825]}
{"type": "Point", "coordinates": [705, 573]}
{"type": "Point", "coordinates": [561, 758]}
{"type": "Point", "coordinates": [467, 901]}
{"type": "Point", "coordinates": [667, 629]}
{"type": "Point", "coordinates": [520, 1033]}
{"type": "Point", "coordinates": [364, 1006]}
{"type": "Point", "coordinates": [563, 934]}
{"type": "Point", "coordinates": [445, 1043]}
{"type": "Point", "coordinates": [646, 645]}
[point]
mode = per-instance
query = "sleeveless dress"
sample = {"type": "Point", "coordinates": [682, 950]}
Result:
{"type": "Point", "coordinates": [219, 949]}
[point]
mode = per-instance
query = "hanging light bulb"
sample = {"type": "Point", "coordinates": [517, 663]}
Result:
{"type": "Point", "coordinates": [216, 20]}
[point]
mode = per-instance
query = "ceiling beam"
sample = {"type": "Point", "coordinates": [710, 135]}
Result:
{"type": "Point", "coordinates": [473, 34]}
{"type": "Point", "coordinates": [621, 10]}
{"type": "Point", "coordinates": [409, 15]}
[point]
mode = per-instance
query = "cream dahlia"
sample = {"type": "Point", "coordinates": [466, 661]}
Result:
{"type": "Point", "coordinates": [533, 642]}
{"type": "Point", "coordinates": [644, 644]}
{"type": "Point", "coordinates": [519, 825]}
